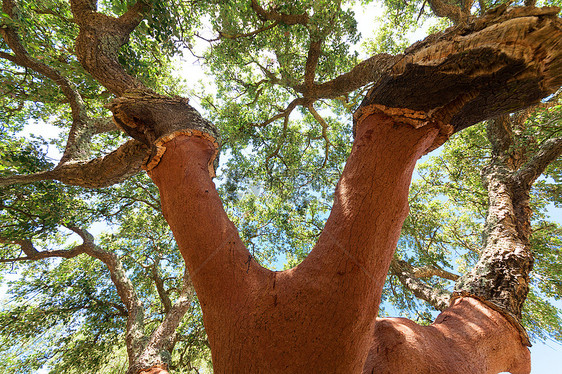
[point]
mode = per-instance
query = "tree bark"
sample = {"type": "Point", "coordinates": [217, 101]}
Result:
{"type": "Point", "coordinates": [320, 315]}
{"type": "Point", "coordinates": [468, 337]}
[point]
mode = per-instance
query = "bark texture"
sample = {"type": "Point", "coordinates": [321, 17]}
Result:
{"type": "Point", "coordinates": [489, 66]}
{"type": "Point", "coordinates": [501, 276]}
{"type": "Point", "coordinates": [468, 337]}
{"type": "Point", "coordinates": [321, 315]}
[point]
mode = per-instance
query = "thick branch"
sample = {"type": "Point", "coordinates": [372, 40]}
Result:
{"type": "Point", "coordinates": [100, 172]}
{"type": "Point", "coordinates": [501, 276]}
{"type": "Point", "coordinates": [409, 277]}
{"type": "Point", "coordinates": [548, 152]}
{"type": "Point", "coordinates": [506, 61]}
{"type": "Point", "coordinates": [134, 15]}
{"type": "Point", "coordinates": [443, 9]}
{"type": "Point", "coordinates": [370, 70]}
{"type": "Point", "coordinates": [157, 351]}
{"type": "Point", "coordinates": [468, 337]}
{"type": "Point", "coordinates": [500, 134]}
{"type": "Point", "coordinates": [272, 15]}
{"type": "Point", "coordinates": [99, 41]}
{"type": "Point", "coordinates": [207, 239]}
{"type": "Point", "coordinates": [28, 178]}
{"type": "Point", "coordinates": [314, 52]}
{"type": "Point", "coordinates": [358, 240]}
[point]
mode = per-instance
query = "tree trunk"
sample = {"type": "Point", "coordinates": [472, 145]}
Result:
{"type": "Point", "coordinates": [468, 337]}
{"type": "Point", "coordinates": [321, 315]}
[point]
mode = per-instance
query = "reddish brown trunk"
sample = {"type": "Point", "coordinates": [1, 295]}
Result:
{"type": "Point", "coordinates": [159, 369]}
{"type": "Point", "coordinates": [468, 337]}
{"type": "Point", "coordinates": [320, 315]}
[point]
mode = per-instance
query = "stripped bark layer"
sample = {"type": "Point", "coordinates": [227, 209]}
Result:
{"type": "Point", "coordinates": [504, 63]}
{"type": "Point", "coordinates": [499, 63]}
{"type": "Point", "coordinates": [323, 311]}
{"type": "Point", "coordinates": [321, 316]}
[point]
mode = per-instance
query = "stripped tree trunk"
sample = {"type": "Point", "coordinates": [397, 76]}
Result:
{"type": "Point", "coordinates": [321, 315]}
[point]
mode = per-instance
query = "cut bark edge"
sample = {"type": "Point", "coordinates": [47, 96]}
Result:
{"type": "Point", "coordinates": [438, 117]}
{"type": "Point", "coordinates": [156, 369]}
{"type": "Point", "coordinates": [510, 317]}
{"type": "Point", "coordinates": [152, 161]}
{"type": "Point", "coordinates": [512, 61]}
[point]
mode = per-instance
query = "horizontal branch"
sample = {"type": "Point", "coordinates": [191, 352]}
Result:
{"type": "Point", "coordinates": [273, 15]}
{"type": "Point", "coordinates": [134, 15]}
{"type": "Point", "coordinates": [406, 273]}
{"type": "Point", "coordinates": [454, 13]}
{"type": "Point", "coordinates": [367, 71]}
{"type": "Point", "coordinates": [496, 64]}
{"type": "Point", "coordinates": [100, 172]}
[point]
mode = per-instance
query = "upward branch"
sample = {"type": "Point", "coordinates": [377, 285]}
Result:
{"type": "Point", "coordinates": [135, 311]}
{"type": "Point", "coordinates": [22, 58]}
{"type": "Point", "coordinates": [99, 41]}
{"type": "Point", "coordinates": [157, 351]}
{"type": "Point", "coordinates": [80, 132]}
{"type": "Point", "coordinates": [406, 273]}
{"type": "Point", "coordinates": [549, 151]}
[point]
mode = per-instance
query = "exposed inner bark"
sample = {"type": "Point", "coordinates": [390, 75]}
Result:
{"type": "Point", "coordinates": [255, 317]}
{"type": "Point", "coordinates": [321, 315]}
{"type": "Point", "coordinates": [468, 337]}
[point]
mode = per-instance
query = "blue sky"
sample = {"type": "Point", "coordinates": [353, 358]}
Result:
{"type": "Point", "coordinates": [546, 357]}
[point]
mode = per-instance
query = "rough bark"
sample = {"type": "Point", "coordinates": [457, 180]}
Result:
{"type": "Point", "coordinates": [521, 47]}
{"type": "Point", "coordinates": [110, 169]}
{"type": "Point", "coordinates": [99, 40]}
{"type": "Point", "coordinates": [156, 354]}
{"type": "Point", "coordinates": [502, 62]}
{"type": "Point", "coordinates": [501, 276]}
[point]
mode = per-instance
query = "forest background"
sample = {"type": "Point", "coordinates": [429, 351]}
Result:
{"type": "Point", "coordinates": [61, 304]}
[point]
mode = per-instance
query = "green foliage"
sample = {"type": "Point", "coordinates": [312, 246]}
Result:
{"type": "Point", "coordinates": [276, 181]}
{"type": "Point", "coordinates": [448, 205]}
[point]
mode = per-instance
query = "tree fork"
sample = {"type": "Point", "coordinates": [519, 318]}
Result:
{"type": "Point", "coordinates": [245, 306]}
{"type": "Point", "coordinates": [505, 62]}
